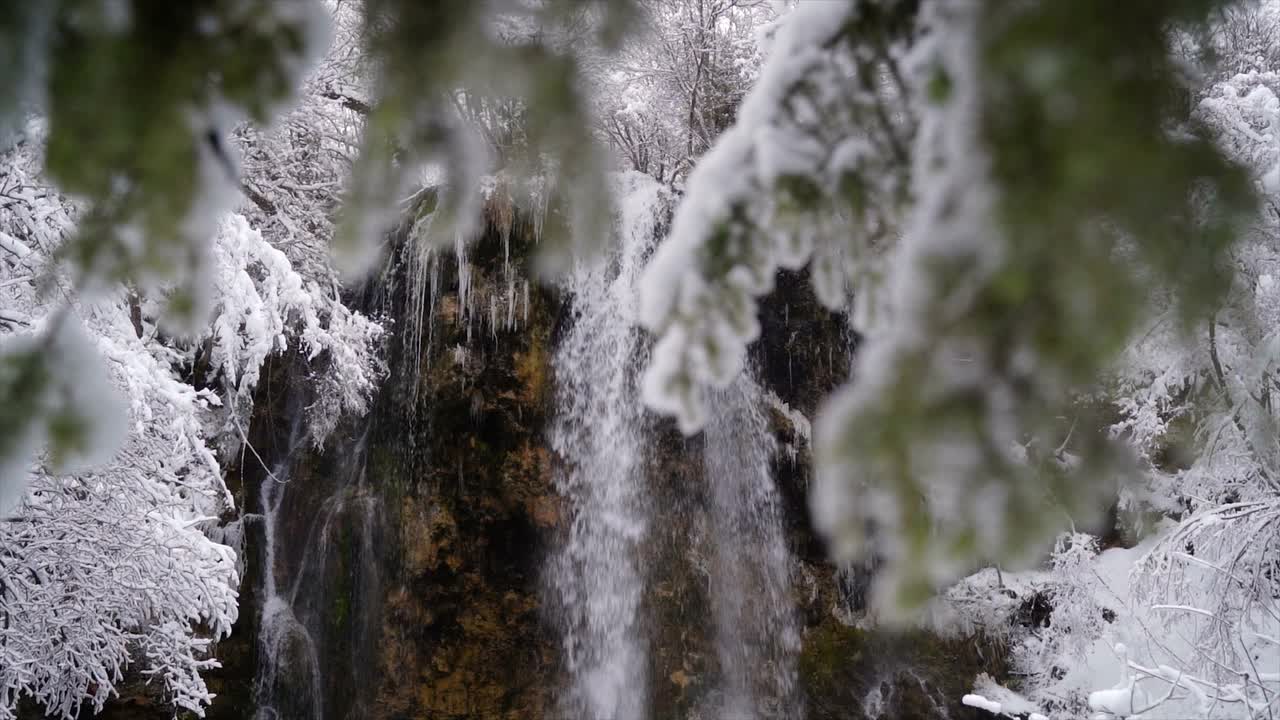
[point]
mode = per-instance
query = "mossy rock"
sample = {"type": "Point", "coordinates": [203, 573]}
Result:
{"type": "Point", "coordinates": [851, 673]}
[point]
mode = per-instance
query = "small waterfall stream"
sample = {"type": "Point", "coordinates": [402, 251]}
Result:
{"type": "Point", "coordinates": [281, 636]}
{"type": "Point", "coordinates": [757, 638]}
{"type": "Point", "coordinates": [321, 586]}
{"type": "Point", "coordinates": [510, 532]}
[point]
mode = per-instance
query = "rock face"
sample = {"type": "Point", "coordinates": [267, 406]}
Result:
{"type": "Point", "coordinates": [434, 517]}
{"type": "Point", "coordinates": [471, 500]}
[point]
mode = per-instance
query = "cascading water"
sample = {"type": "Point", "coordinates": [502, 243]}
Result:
{"type": "Point", "coordinates": [669, 577]}
{"type": "Point", "coordinates": [321, 588]}
{"type": "Point", "coordinates": [757, 637]}
{"type": "Point", "coordinates": [283, 690]}
{"type": "Point", "coordinates": [597, 577]}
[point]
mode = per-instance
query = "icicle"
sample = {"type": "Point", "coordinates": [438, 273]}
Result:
{"type": "Point", "coordinates": [505, 232]}
{"type": "Point", "coordinates": [464, 280]}
{"type": "Point", "coordinates": [434, 271]}
{"type": "Point", "coordinates": [511, 302]}
{"type": "Point", "coordinates": [525, 319]}
{"type": "Point", "coordinates": [539, 194]}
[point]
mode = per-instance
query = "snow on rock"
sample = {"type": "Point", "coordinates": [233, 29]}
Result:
{"type": "Point", "coordinates": [981, 703]}
{"type": "Point", "coordinates": [800, 426]}
{"type": "Point", "coordinates": [1124, 700]}
{"type": "Point", "coordinates": [1005, 700]}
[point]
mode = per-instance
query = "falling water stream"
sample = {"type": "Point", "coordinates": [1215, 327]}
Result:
{"type": "Point", "coordinates": [321, 597]}
{"type": "Point", "coordinates": [597, 577]}
{"type": "Point", "coordinates": [757, 638]}
{"type": "Point", "coordinates": [281, 637]}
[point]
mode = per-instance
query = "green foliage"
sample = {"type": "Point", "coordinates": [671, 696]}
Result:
{"type": "Point", "coordinates": [1100, 193]}
{"type": "Point", "coordinates": [1091, 151]}
{"type": "Point", "coordinates": [132, 104]}
{"type": "Point", "coordinates": [1090, 187]}
{"type": "Point", "coordinates": [1025, 175]}
{"type": "Point", "coordinates": [48, 401]}
{"type": "Point", "coordinates": [22, 385]}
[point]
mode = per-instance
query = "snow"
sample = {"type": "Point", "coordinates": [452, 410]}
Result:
{"type": "Point", "coordinates": [1138, 660]}
{"type": "Point", "coordinates": [981, 703]}
{"type": "Point", "coordinates": [1123, 701]}
{"type": "Point", "coordinates": [800, 425]}
{"type": "Point", "coordinates": [1007, 701]}
{"type": "Point", "coordinates": [1190, 633]}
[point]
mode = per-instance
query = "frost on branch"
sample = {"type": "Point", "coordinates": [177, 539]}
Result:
{"type": "Point", "coordinates": [140, 574]}
{"type": "Point", "coordinates": [1200, 411]}
{"type": "Point", "coordinates": [1001, 178]}
{"type": "Point", "coordinates": [141, 587]}
{"type": "Point", "coordinates": [670, 90]}
{"type": "Point", "coordinates": [772, 187]}
{"type": "Point", "coordinates": [261, 303]}
{"type": "Point", "coordinates": [294, 171]}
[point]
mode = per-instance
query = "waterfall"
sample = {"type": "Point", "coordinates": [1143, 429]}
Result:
{"type": "Point", "coordinates": [757, 637]}
{"type": "Point", "coordinates": [283, 690]}
{"type": "Point", "coordinates": [320, 585]}
{"type": "Point", "coordinates": [600, 433]}
{"type": "Point", "coordinates": [597, 577]}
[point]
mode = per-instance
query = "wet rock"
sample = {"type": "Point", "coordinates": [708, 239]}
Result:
{"type": "Point", "coordinates": [457, 455]}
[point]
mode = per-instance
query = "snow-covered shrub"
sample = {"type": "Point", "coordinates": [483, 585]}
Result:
{"type": "Point", "coordinates": [261, 305]}
{"type": "Point", "coordinates": [106, 561]}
